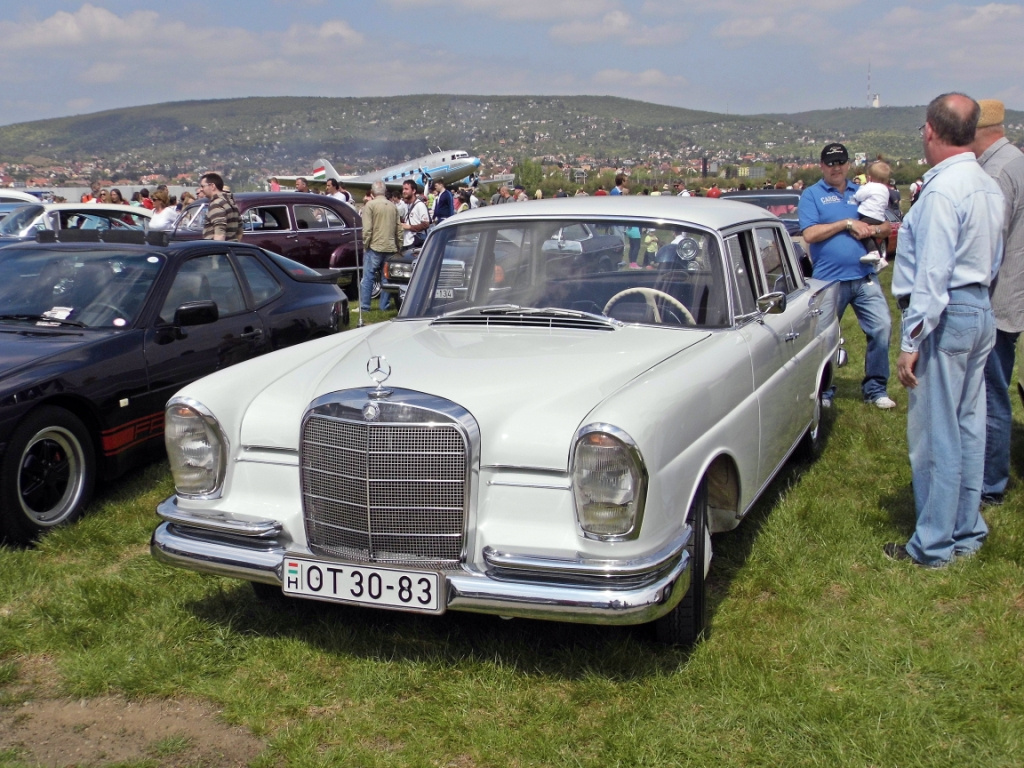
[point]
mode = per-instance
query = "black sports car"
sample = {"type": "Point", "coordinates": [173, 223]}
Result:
{"type": "Point", "coordinates": [96, 336]}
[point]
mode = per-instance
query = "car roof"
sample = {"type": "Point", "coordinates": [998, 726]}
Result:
{"type": "Point", "coordinates": [706, 212]}
{"type": "Point", "coordinates": [87, 207]}
{"type": "Point", "coordinates": [757, 192]}
{"type": "Point", "coordinates": [16, 195]}
{"type": "Point", "coordinates": [172, 249]}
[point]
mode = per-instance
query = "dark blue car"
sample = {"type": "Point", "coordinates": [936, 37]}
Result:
{"type": "Point", "coordinates": [96, 336]}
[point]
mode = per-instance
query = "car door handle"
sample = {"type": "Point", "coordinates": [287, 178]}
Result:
{"type": "Point", "coordinates": [815, 311]}
{"type": "Point", "coordinates": [792, 336]}
{"type": "Point", "coordinates": [252, 334]}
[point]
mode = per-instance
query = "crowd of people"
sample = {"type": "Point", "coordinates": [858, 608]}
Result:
{"type": "Point", "coordinates": [958, 281]}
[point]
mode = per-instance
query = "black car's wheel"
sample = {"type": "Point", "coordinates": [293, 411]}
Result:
{"type": "Point", "coordinates": [48, 474]}
{"type": "Point", "coordinates": [685, 624]}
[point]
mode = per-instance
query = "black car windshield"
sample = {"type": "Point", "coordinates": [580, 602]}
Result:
{"type": "Point", "coordinates": [92, 288]}
{"type": "Point", "coordinates": [647, 272]}
{"type": "Point", "coordinates": [15, 223]}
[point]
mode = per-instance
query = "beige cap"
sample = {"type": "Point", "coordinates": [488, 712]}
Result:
{"type": "Point", "coordinates": [992, 113]}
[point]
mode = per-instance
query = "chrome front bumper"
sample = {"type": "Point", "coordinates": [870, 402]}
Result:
{"type": "Point", "coordinates": [561, 588]}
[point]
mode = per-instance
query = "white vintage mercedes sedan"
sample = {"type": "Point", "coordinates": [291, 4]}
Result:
{"type": "Point", "coordinates": [539, 433]}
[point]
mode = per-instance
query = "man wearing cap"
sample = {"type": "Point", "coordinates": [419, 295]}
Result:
{"type": "Point", "coordinates": [828, 218]}
{"type": "Point", "coordinates": [1005, 163]}
{"type": "Point", "coordinates": [948, 254]}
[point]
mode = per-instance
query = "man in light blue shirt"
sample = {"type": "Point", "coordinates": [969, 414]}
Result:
{"type": "Point", "coordinates": [948, 254]}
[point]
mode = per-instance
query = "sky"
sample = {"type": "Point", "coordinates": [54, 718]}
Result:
{"type": "Point", "coordinates": [61, 58]}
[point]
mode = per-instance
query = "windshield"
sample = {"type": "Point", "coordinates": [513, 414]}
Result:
{"type": "Point", "coordinates": [18, 220]}
{"type": "Point", "coordinates": [90, 288]}
{"type": "Point", "coordinates": [645, 272]}
{"type": "Point", "coordinates": [783, 206]}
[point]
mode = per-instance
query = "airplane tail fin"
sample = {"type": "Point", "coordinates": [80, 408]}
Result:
{"type": "Point", "coordinates": [324, 170]}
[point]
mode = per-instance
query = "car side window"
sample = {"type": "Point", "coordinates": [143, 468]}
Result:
{"type": "Point", "coordinates": [266, 218]}
{"type": "Point", "coordinates": [777, 269]}
{"type": "Point", "coordinates": [261, 283]}
{"type": "Point", "coordinates": [744, 278]}
{"type": "Point", "coordinates": [193, 218]}
{"type": "Point", "coordinates": [575, 232]}
{"type": "Point", "coordinates": [316, 217]}
{"type": "Point", "coordinates": [205, 278]}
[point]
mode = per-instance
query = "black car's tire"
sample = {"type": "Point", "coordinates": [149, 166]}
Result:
{"type": "Point", "coordinates": [685, 624]}
{"type": "Point", "coordinates": [47, 474]}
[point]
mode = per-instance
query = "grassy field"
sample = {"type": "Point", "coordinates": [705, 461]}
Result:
{"type": "Point", "coordinates": [821, 651]}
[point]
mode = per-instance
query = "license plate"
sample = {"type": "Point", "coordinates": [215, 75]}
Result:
{"type": "Point", "coordinates": [383, 587]}
{"type": "Point", "coordinates": [444, 293]}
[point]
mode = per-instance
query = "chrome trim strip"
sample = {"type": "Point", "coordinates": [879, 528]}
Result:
{"type": "Point", "coordinates": [262, 529]}
{"type": "Point", "coordinates": [260, 454]}
{"type": "Point", "coordinates": [546, 486]}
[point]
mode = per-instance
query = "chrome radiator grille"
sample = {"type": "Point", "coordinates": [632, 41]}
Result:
{"type": "Point", "coordinates": [384, 492]}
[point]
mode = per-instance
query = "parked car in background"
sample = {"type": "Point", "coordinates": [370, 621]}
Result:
{"type": "Point", "coordinates": [16, 196]}
{"type": "Point", "coordinates": [6, 208]}
{"type": "Point", "coordinates": [553, 440]}
{"type": "Point", "coordinates": [316, 230]}
{"type": "Point", "coordinates": [96, 336]}
{"type": "Point", "coordinates": [24, 222]}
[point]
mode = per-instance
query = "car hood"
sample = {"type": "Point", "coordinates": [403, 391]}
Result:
{"type": "Point", "coordinates": [20, 349]}
{"type": "Point", "coordinates": [529, 391]}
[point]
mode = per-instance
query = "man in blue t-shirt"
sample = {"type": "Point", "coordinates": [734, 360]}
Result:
{"type": "Point", "coordinates": [828, 218]}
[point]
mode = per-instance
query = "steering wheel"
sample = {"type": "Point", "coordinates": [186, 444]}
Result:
{"type": "Point", "coordinates": [650, 296]}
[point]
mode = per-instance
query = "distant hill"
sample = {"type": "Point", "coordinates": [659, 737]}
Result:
{"type": "Point", "coordinates": [283, 134]}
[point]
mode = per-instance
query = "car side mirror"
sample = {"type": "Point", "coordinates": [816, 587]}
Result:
{"type": "Point", "coordinates": [773, 303]}
{"type": "Point", "coordinates": [196, 313]}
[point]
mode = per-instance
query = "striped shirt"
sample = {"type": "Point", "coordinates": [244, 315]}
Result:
{"type": "Point", "coordinates": [222, 218]}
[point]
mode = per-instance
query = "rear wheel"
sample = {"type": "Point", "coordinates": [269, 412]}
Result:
{"type": "Point", "coordinates": [685, 624]}
{"type": "Point", "coordinates": [47, 474]}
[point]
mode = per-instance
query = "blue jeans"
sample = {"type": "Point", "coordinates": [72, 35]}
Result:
{"type": "Point", "coordinates": [872, 311]}
{"type": "Point", "coordinates": [998, 373]}
{"type": "Point", "coordinates": [946, 429]}
{"type": "Point", "coordinates": [373, 262]}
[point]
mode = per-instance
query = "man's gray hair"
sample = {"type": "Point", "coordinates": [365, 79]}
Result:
{"type": "Point", "coordinates": [378, 189]}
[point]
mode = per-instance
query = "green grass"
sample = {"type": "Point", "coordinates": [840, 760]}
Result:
{"type": "Point", "coordinates": [821, 651]}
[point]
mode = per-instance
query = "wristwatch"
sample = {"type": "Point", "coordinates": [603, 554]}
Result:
{"type": "Point", "coordinates": [876, 231]}
{"type": "Point", "coordinates": [849, 225]}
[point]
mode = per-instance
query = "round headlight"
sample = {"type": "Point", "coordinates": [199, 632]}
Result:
{"type": "Point", "coordinates": [196, 449]}
{"type": "Point", "coordinates": [609, 484]}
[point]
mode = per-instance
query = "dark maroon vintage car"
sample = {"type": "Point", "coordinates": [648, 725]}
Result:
{"type": "Point", "coordinates": [318, 231]}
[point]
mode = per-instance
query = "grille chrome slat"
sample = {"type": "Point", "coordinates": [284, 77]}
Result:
{"type": "Point", "coordinates": [389, 491]}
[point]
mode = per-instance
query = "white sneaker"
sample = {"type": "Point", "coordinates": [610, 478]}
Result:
{"type": "Point", "coordinates": [872, 257]}
{"type": "Point", "coordinates": [882, 264]}
{"type": "Point", "coordinates": [883, 402]}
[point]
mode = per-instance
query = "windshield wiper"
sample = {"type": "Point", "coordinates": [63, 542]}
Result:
{"type": "Point", "coordinates": [43, 319]}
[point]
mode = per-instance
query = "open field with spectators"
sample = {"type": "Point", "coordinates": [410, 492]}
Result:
{"type": "Point", "coordinates": [821, 651]}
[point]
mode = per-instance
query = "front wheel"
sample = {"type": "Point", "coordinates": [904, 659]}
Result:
{"type": "Point", "coordinates": [48, 474]}
{"type": "Point", "coordinates": [686, 623]}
